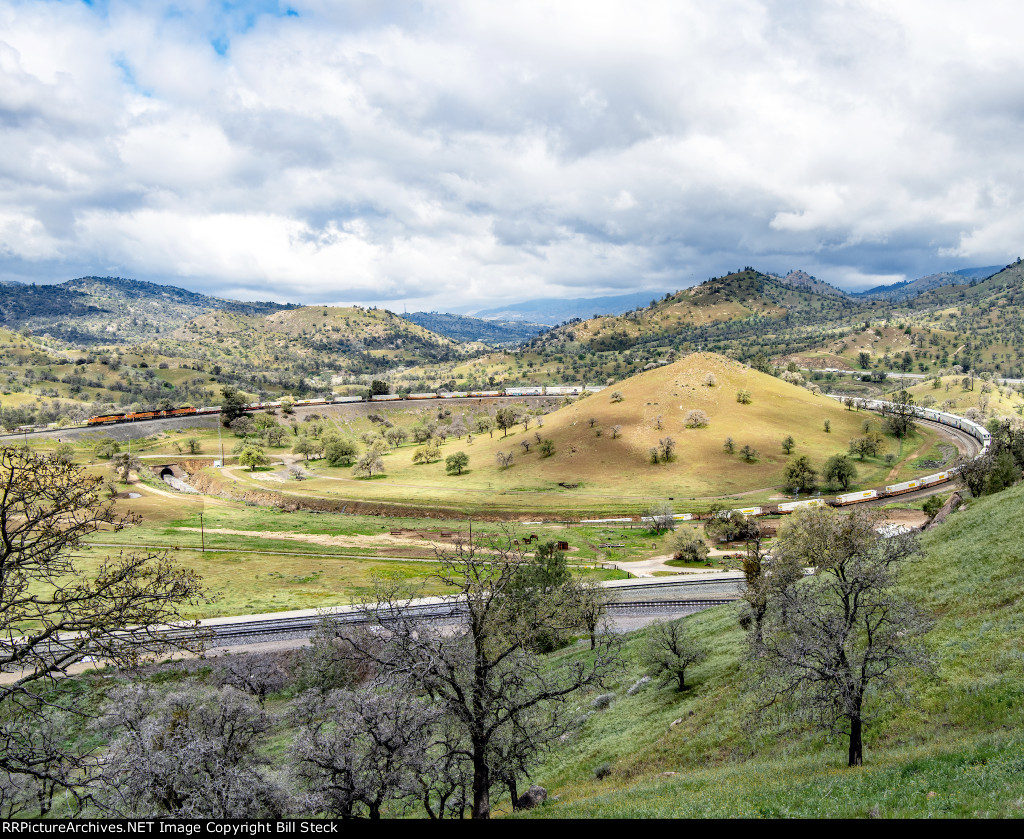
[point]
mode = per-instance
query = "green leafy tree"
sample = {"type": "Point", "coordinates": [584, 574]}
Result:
{"type": "Point", "coordinates": [687, 546]}
{"type": "Point", "coordinates": [64, 452]}
{"type": "Point", "coordinates": [546, 447]}
{"type": "Point", "coordinates": [456, 463]}
{"type": "Point", "coordinates": [253, 456]}
{"type": "Point", "coordinates": [341, 452]}
{"type": "Point", "coordinates": [900, 413]}
{"type": "Point", "coordinates": [867, 446]}
{"type": "Point", "coordinates": [369, 464]}
{"type": "Point", "coordinates": [428, 453]}
{"type": "Point", "coordinates": [275, 436]}
{"type": "Point", "coordinates": [232, 405]}
{"type": "Point", "coordinates": [506, 418]}
{"type": "Point", "coordinates": [800, 475]}
{"type": "Point", "coordinates": [932, 505]}
{"type": "Point", "coordinates": [107, 448]}
{"type": "Point", "coordinates": [761, 363]}
{"type": "Point", "coordinates": [788, 444]}
{"type": "Point", "coordinates": [839, 471]}
{"type": "Point", "coordinates": [308, 447]}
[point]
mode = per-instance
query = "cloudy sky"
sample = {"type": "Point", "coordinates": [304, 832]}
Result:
{"type": "Point", "coordinates": [457, 154]}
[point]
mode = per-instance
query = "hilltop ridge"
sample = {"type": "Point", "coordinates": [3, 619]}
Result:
{"type": "Point", "coordinates": [89, 311]}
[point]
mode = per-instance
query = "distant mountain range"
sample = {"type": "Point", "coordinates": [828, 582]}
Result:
{"type": "Point", "coordinates": [552, 311]}
{"type": "Point", "coordinates": [911, 288]}
{"type": "Point", "coordinates": [464, 328]}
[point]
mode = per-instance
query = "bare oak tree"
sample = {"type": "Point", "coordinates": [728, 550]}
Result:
{"type": "Point", "coordinates": [481, 673]}
{"type": "Point", "coordinates": [672, 650]}
{"type": "Point", "coordinates": [52, 612]}
{"type": "Point", "coordinates": [358, 750]}
{"type": "Point", "coordinates": [194, 754]}
{"type": "Point", "coordinates": [831, 641]}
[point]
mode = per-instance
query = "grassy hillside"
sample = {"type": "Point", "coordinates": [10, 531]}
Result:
{"type": "Point", "coordinates": [743, 296]}
{"type": "Point", "coordinates": [307, 342]}
{"type": "Point", "coordinates": [956, 750]}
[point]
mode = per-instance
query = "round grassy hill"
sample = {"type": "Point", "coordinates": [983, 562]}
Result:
{"type": "Point", "coordinates": [596, 467]}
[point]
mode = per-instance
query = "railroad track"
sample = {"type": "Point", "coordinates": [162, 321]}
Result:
{"type": "Point", "coordinates": [255, 630]}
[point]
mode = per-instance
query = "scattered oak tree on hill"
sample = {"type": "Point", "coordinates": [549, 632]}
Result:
{"type": "Point", "coordinates": [369, 464]}
{"type": "Point", "coordinates": [672, 650]}
{"type": "Point", "coordinates": [839, 471]}
{"type": "Point", "coordinates": [253, 456]}
{"type": "Point", "coordinates": [340, 452]}
{"type": "Point", "coordinates": [900, 413]}
{"type": "Point", "coordinates": [800, 475]}
{"type": "Point", "coordinates": [661, 517]}
{"type": "Point", "coordinates": [506, 418]}
{"type": "Point", "coordinates": [695, 418]}
{"type": "Point", "coordinates": [123, 465]}
{"type": "Point", "coordinates": [456, 463]}
{"type": "Point", "coordinates": [687, 546]}
{"type": "Point", "coordinates": [232, 405]}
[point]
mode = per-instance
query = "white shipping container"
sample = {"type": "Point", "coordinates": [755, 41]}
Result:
{"type": "Point", "coordinates": [906, 486]}
{"type": "Point", "coordinates": [852, 497]}
{"type": "Point", "coordinates": [790, 506]}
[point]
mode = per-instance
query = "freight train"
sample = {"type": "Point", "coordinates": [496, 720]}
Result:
{"type": "Point", "coordinates": [553, 390]}
{"type": "Point", "coordinates": [978, 432]}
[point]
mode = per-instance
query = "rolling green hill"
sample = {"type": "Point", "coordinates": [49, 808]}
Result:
{"type": "Point", "coordinates": [600, 459]}
{"type": "Point", "coordinates": [954, 748]}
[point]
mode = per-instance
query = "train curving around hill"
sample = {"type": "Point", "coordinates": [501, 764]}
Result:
{"type": "Point", "coordinates": [977, 431]}
{"type": "Point", "coordinates": [550, 390]}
